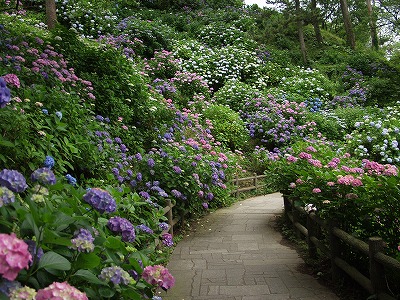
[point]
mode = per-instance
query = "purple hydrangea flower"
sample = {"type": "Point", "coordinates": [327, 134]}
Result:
{"type": "Point", "coordinates": [6, 196]}
{"type": "Point", "coordinates": [123, 226]}
{"type": "Point", "coordinates": [150, 162]}
{"type": "Point", "coordinates": [34, 250]}
{"type": "Point", "coordinates": [145, 195]}
{"type": "Point", "coordinates": [44, 176]}
{"type": "Point", "coordinates": [100, 200]}
{"type": "Point", "coordinates": [205, 205]}
{"type": "Point", "coordinates": [7, 286]}
{"type": "Point", "coordinates": [138, 157]}
{"type": "Point", "coordinates": [167, 239]}
{"type": "Point", "coordinates": [118, 140]}
{"type": "Point", "coordinates": [176, 193]}
{"type": "Point", "coordinates": [144, 228]}
{"type": "Point", "coordinates": [49, 162]}
{"type": "Point", "coordinates": [116, 275]}
{"type": "Point", "coordinates": [13, 180]}
{"type": "Point", "coordinates": [5, 94]}
{"type": "Point", "coordinates": [100, 118]}
{"type": "Point", "coordinates": [163, 226]}
{"type": "Point", "coordinates": [83, 240]}
{"type": "Point", "coordinates": [177, 170]}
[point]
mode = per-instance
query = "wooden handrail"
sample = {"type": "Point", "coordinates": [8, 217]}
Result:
{"type": "Point", "coordinates": [376, 283]}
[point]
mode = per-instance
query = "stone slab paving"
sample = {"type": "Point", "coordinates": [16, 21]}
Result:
{"type": "Point", "coordinates": [237, 255]}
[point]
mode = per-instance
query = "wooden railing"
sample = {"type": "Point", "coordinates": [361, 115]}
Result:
{"type": "Point", "coordinates": [375, 284]}
{"type": "Point", "coordinates": [253, 181]}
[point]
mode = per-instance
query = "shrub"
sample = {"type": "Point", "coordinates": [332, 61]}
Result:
{"type": "Point", "coordinates": [227, 126]}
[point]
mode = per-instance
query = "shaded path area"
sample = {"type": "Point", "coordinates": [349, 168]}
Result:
{"type": "Point", "coordinates": [237, 255]}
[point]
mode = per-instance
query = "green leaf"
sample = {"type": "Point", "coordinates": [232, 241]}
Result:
{"type": "Point", "coordinates": [89, 277]}
{"type": "Point", "coordinates": [87, 261]}
{"type": "Point", "coordinates": [106, 292]}
{"type": "Point", "coordinates": [52, 237]}
{"type": "Point", "coordinates": [52, 260]}
{"type": "Point", "coordinates": [113, 243]}
{"type": "Point", "coordinates": [6, 144]}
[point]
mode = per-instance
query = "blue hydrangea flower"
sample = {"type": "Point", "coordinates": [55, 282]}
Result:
{"type": "Point", "coordinates": [116, 275]}
{"type": "Point", "coordinates": [70, 179]}
{"type": "Point", "coordinates": [6, 286]}
{"type": "Point", "coordinates": [100, 200]}
{"type": "Point", "coordinates": [13, 180]}
{"type": "Point", "coordinates": [123, 226]}
{"type": "Point", "coordinates": [83, 240]}
{"type": "Point", "coordinates": [59, 115]}
{"type": "Point", "coordinates": [6, 196]}
{"type": "Point", "coordinates": [144, 228]}
{"type": "Point", "coordinates": [5, 94]}
{"type": "Point", "coordinates": [163, 226]}
{"type": "Point", "coordinates": [49, 162]}
{"type": "Point", "coordinates": [44, 176]}
{"type": "Point", "coordinates": [45, 111]}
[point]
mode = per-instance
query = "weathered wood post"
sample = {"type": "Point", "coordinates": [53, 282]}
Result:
{"type": "Point", "coordinates": [255, 180]}
{"type": "Point", "coordinates": [237, 186]}
{"type": "Point", "coordinates": [312, 228]}
{"type": "Point", "coordinates": [296, 219]}
{"type": "Point", "coordinates": [376, 270]}
{"type": "Point", "coordinates": [334, 245]}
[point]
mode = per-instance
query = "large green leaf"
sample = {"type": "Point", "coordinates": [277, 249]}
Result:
{"type": "Point", "coordinates": [52, 260]}
{"type": "Point", "coordinates": [89, 277]}
{"type": "Point", "coordinates": [87, 261]}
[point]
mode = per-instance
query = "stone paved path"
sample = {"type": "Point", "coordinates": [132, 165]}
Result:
{"type": "Point", "coordinates": [237, 255]}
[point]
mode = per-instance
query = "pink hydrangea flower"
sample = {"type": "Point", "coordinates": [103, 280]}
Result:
{"type": "Point", "coordinates": [311, 149]}
{"type": "Point", "coordinates": [291, 158]}
{"type": "Point", "coordinates": [305, 155]}
{"type": "Point", "coordinates": [12, 79]}
{"type": "Point", "coordinates": [316, 190]}
{"type": "Point", "coordinates": [158, 275]}
{"type": "Point", "coordinates": [60, 290]}
{"type": "Point", "coordinates": [14, 256]}
{"type": "Point", "coordinates": [330, 183]}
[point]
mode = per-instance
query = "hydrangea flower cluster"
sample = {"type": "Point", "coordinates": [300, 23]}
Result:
{"type": "Point", "coordinates": [163, 226]}
{"type": "Point", "coordinates": [60, 290]}
{"type": "Point", "coordinates": [167, 239]}
{"type": "Point", "coordinates": [124, 227]}
{"type": "Point", "coordinates": [144, 228]}
{"type": "Point", "coordinates": [5, 94]}
{"type": "Point", "coordinates": [83, 241]}
{"type": "Point", "coordinates": [13, 180]}
{"type": "Point", "coordinates": [313, 104]}
{"type": "Point", "coordinates": [116, 275]}
{"type": "Point", "coordinates": [6, 196]}
{"type": "Point", "coordinates": [70, 179]}
{"type": "Point", "coordinates": [14, 256]}
{"type": "Point", "coordinates": [49, 162]}
{"type": "Point", "coordinates": [25, 293]}
{"type": "Point", "coordinates": [101, 200]}
{"type": "Point", "coordinates": [158, 275]}
{"type": "Point", "coordinates": [44, 176]}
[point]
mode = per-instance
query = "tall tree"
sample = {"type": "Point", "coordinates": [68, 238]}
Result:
{"type": "Point", "coordinates": [51, 16]}
{"type": "Point", "coordinates": [351, 40]}
{"type": "Point", "coordinates": [372, 26]}
{"type": "Point", "coordinates": [300, 23]}
{"type": "Point", "coordinates": [315, 17]}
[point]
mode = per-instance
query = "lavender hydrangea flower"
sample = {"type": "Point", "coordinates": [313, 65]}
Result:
{"type": "Point", "coordinates": [116, 275]}
{"type": "Point", "coordinates": [100, 200]}
{"type": "Point", "coordinates": [5, 94]}
{"type": "Point", "coordinates": [44, 176]}
{"type": "Point", "coordinates": [167, 239]}
{"type": "Point", "coordinates": [13, 180]}
{"type": "Point", "coordinates": [59, 115]}
{"type": "Point", "coordinates": [123, 226]}
{"type": "Point", "coordinates": [83, 240]}
{"type": "Point", "coordinates": [144, 228]}
{"type": "Point", "coordinates": [70, 179]}
{"type": "Point", "coordinates": [7, 286]}
{"type": "Point", "coordinates": [6, 196]}
{"type": "Point", "coordinates": [163, 226]}
{"type": "Point", "coordinates": [49, 162]}
{"type": "Point", "coordinates": [45, 111]}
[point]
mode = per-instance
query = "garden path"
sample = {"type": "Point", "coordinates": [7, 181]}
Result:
{"type": "Point", "coordinates": [236, 254]}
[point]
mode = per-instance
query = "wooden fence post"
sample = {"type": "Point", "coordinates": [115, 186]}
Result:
{"type": "Point", "coordinates": [237, 186]}
{"type": "Point", "coordinates": [255, 181]}
{"type": "Point", "coordinates": [376, 270]}
{"type": "Point", "coordinates": [286, 205]}
{"type": "Point", "coordinates": [312, 228]}
{"type": "Point", "coordinates": [169, 216]}
{"type": "Point", "coordinates": [296, 219]}
{"type": "Point", "coordinates": [334, 245]}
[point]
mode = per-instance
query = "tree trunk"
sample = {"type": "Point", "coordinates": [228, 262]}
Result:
{"type": "Point", "coordinates": [351, 40]}
{"type": "Point", "coordinates": [315, 22]}
{"type": "Point", "coordinates": [372, 26]}
{"type": "Point", "coordinates": [51, 16]}
{"type": "Point", "coordinates": [300, 31]}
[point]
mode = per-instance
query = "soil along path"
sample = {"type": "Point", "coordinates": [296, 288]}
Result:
{"type": "Point", "coordinates": [237, 255]}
